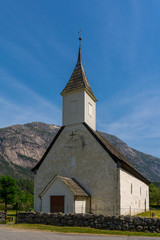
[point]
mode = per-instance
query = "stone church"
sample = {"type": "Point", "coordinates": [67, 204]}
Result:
{"type": "Point", "coordinates": [81, 172]}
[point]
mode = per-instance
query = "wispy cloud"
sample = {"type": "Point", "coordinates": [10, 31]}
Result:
{"type": "Point", "coordinates": [139, 120]}
{"type": "Point", "coordinates": [29, 107]}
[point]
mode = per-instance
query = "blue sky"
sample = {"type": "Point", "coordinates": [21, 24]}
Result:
{"type": "Point", "coordinates": [120, 54]}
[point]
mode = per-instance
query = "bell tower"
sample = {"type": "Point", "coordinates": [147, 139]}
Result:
{"type": "Point", "coordinates": [79, 102]}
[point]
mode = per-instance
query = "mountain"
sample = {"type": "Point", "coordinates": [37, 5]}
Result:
{"type": "Point", "coordinates": [22, 146]}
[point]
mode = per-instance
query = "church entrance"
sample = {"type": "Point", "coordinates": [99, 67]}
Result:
{"type": "Point", "coordinates": [56, 204]}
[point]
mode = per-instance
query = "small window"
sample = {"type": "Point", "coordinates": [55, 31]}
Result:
{"type": "Point", "coordinates": [90, 109]}
{"type": "Point", "coordinates": [131, 188]}
{"type": "Point", "coordinates": [140, 190]}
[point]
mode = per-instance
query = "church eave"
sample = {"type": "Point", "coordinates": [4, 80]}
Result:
{"type": "Point", "coordinates": [63, 93]}
{"type": "Point", "coordinates": [134, 172]}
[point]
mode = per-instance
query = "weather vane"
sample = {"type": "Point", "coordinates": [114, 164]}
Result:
{"type": "Point", "coordinates": [80, 38]}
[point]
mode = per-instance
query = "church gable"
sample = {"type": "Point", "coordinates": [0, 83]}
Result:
{"type": "Point", "coordinates": [76, 154]}
{"type": "Point", "coordinates": [71, 184]}
{"type": "Point", "coordinates": [71, 142]}
{"type": "Point", "coordinates": [63, 194]}
{"type": "Point", "coordinates": [115, 155]}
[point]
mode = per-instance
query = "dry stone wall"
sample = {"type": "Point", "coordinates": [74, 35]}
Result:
{"type": "Point", "coordinates": [124, 223]}
{"type": "Point", "coordinates": [2, 217]}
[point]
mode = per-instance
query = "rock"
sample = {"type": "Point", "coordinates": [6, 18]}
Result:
{"type": "Point", "coordinates": [138, 220]}
{"type": "Point", "coordinates": [45, 215]}
{"type": "Point", "coordinates": [99, 226]}
{"type": "Point", "coordinates": [66, 216]}
{"type": "Point", "coordinates": [139, 228]}
{"type": "Point", "coordinates": [63, 221]}
{"type": "Point", "coordinates": [86, 223]}
{"type": "Point", "coordinates": [70, 222]}
{"type": "Point", "coordinates": [125, 227]}
{"type": "Point", "coordinates": [152, 228]}
{"type": "Point", "coordinates": [112, 227]}
{"type": "Point", "coordinates": [158, 223]}
{"type": "Point", "coordinates": [92, 225]}
{"type": "Point", "coordinates": [131, 227]}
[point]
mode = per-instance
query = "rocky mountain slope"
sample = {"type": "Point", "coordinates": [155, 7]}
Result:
{"type": "Point", "coordinates": [21, 147]}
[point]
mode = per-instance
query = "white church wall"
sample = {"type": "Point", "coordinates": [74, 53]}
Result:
{"type": "Point", "coordinates": [76, 153]}
{"type": "Point", "coordinates": [133, 194]}
{"type": "Point", "coordinates": [73, 108]}
{"type": "Point", "coordinates": [58, 188]}
{"type": "Point", "coordinates": [37, 200]}
{"type": "Point", "coordinates": [90, 111]}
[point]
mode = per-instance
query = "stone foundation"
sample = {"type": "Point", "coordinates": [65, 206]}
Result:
{"type": "Point", "coordinates": [124, 223]}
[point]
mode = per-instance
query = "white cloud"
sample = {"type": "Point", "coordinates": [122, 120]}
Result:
{"type": "Point", "coordinates": [30, 106]}
{"type": "Point", "coordinates": [134, 119]}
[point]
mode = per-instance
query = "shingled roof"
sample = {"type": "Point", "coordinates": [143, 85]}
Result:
{"type": "Point", "coordinates": [71, 183]}
{"type": "Point", "coordinates": [78, 79]}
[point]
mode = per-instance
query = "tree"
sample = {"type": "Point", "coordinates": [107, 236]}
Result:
{"type": "Point", "coordinates": [24, 201]}
{"type": "Point", "coordinates": [154, 194]}
{"type": "Point", "coordinates": [8, 190]}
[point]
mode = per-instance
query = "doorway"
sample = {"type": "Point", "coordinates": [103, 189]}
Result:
{"type": "Point", "coordinates": [56, 204]}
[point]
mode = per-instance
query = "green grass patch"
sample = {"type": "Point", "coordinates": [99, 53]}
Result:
{"type": "Point", "coordinates": [149, 214]}
{"type": "Point", "coordinates": [11, 213]}
{"type": "Point", "coordinates": [83, 230]}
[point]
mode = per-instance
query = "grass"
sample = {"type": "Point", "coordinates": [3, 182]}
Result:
{"type": "Point", "coordinates": [82, 230]}
{"type": "Point", "coordinates": [11, 213]}
{"type": "Point", "coordinates": [149, 214]}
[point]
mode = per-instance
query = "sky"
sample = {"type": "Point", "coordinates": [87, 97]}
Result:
{"type": "Point", "coordinates": [120, 54]}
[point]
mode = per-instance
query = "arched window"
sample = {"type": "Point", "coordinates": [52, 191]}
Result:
{"type": "Point", "coordinates": [131, 188]}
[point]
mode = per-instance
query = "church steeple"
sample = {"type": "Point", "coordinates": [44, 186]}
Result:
{"type": "Point", "coordinates": [78, 98]}
{"type": "Point", "coordinates": [78, 79]}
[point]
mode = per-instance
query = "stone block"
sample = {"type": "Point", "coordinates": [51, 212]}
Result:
{"type": "Point", "coordinates": [139, 228]}
{"type": "Point", "coordinates": [70, 222]}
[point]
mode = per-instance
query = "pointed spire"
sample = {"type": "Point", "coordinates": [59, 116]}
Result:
{"type": "Point", "coordinates": [79, 53]}
{"type": "Point", "coordinates": [78, 79]}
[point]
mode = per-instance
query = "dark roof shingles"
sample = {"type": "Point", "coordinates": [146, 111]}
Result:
{"type": "Point", "coordinates": [78, 80]}
{"type": "Point", "coordinates": [74, 186]}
